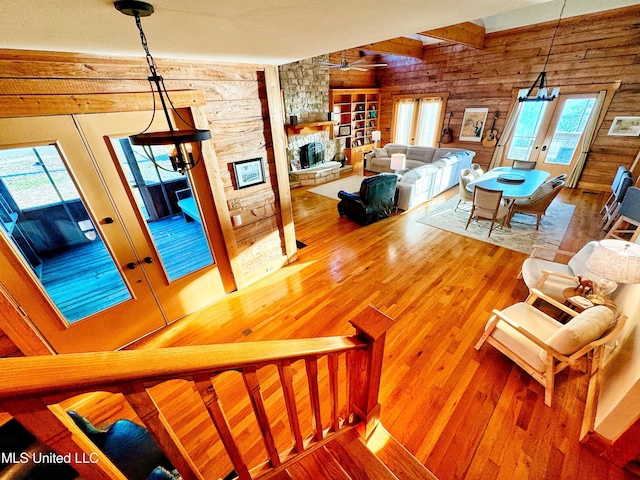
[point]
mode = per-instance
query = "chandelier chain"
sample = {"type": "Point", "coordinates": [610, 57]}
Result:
{"type": "Point", "coordinates": [555, 32]}
{"type": "Point", "coordinates": [143, 39]}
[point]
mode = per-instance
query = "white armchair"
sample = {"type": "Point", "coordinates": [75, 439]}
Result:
{"type": "Point", "coordinates": [542, 346]}
{"type": "Point", "coordinates": [552, 278]}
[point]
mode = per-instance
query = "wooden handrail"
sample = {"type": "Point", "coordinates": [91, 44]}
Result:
{"type": "Point", "coordinates": [89, 371]}
{"type": "Point", "coordinates": [33, 399]}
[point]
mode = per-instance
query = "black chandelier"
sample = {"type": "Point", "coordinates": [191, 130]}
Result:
{"type": "Point", "coordinates": [178, 143]}
{"type": "Point", "coordinates": [542, 94]}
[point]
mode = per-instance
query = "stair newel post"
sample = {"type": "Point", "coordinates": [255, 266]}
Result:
{"type": "Point", "coordinates": [54, 428]}
{"type": "Point", "coordinates": [365, 368]}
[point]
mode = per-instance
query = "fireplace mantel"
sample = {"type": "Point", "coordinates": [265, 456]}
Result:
{"type": "Point", "coordinates": [310, 127]}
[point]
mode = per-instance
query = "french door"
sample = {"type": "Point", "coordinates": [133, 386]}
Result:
{"type": "Point", "coordinates": [550, 133]}
{"type": "Point", "coordinates": [94, 248]}
{"type": "Point", "coordinates": [417, 120]}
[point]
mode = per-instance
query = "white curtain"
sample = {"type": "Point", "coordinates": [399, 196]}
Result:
{"type": "Point", "coordinates": [428, 118]}
{"type": "Point", "coordinates": [587, 138]}
{"type": "Point", "coordinates": [404, 120]}
{"type": "Point", "coordinates": [508, 128]}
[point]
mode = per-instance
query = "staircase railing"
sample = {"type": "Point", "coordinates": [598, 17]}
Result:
{"type": "Point", "coordinates": [31, 389]}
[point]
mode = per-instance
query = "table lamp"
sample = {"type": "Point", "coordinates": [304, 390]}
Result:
{"type": "Point", "coordinates": [375, 136]}
{"type": "Point", "coordinates": [397, 162]}
{"type": "Point", "coordinates": [613, 261]}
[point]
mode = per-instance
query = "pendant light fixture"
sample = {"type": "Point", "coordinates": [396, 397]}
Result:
{"type": "Point", "coordinates": [542, 94]}
{"type": "Point", "coordinates": [178, 143]}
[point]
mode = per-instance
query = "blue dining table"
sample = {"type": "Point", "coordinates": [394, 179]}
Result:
{"type": "Point", "coordinates": [522, 186]}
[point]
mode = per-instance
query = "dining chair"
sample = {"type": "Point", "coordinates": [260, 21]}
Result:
{"type": "Point", "coordinates": [542, 346]}
{"type": "Point", "coordinates": [466, 176]}
{"type": "Point", "coordinates": [487, 204]}
{"type": "Point", "coordinates": [538, 203]}
{"type": "Point", "coordinates": [523, 165]}
{"type": "Point", "coordinates": [476, 170]}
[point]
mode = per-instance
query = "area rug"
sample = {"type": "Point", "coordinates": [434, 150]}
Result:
{"type": "Point", "coordinates": [331, 189]}
{"type": "Point", "coordinates": [522, 235]}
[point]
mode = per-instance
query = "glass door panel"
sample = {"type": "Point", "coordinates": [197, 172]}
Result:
{"type": "Point", "coordinates": [166, 202]}
{"type": "Point", "coordinates": [571, 123]}
{"type": "Point", "coordinates": [51, 227]}
{"type": "Point", "coordinates": [526, 132]}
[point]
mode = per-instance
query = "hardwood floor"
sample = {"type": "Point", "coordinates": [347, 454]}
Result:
{"type": "Point", "coordinates": [464, 414]}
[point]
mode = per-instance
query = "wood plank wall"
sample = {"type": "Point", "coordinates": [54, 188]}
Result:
{"type": "Point", "coordinates": [236, 110]}
{"type": "Point", "coordinates": [352, 78]}
{"type": "Point", "coordinates": [599, 48]}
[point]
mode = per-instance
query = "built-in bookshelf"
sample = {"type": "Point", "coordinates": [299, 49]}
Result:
{"type": "Point", "coordinates": [356, 112]}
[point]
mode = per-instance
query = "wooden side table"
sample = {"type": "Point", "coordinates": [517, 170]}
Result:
{"type": "Point", "coordinates": [577, 305]}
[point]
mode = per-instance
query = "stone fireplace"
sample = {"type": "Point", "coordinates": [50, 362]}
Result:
{"type": "Point", "coordinates": [305, 86]}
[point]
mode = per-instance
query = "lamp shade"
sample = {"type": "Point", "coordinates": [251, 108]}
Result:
{"type": "Point", "coordinates": [375, 135]}
{"type": "Point", "coordinates": [616, 260]}
{"type": "Point", "coordinates": [397, 161]}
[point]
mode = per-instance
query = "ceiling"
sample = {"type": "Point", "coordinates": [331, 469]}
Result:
{"type": "Point", "coordinates": [264, 32]}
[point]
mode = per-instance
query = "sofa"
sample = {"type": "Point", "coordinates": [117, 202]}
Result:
{"type": "Point", "coordinates": [430, 170]}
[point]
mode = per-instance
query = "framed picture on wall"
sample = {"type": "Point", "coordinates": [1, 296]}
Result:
{"type": "Point", "coordinates": [249, 172]}
{"type": "Point", "coordinates": [625, 127]}
{"type": "Point", "coordinates": [473, 124]}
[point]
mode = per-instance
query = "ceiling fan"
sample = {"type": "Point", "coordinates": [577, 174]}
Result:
{"type": "Point", "coordinates": [357, 65]}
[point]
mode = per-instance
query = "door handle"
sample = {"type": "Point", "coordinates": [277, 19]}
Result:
{"type": "Point", "coordinates": [544, 147]}
{"type": "Point", "coordinates": [107, 220]}
{"type": "Point", "coordinates": [148, 260]}
{"type": "Point", "coordinates": [131, 265]}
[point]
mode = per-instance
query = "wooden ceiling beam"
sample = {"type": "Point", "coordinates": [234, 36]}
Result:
{"type": "Point", "coordinates": [466, 33]}
{"type": "Point", "coordinates": [405, 47]}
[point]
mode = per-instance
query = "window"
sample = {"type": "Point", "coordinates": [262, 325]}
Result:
{"type": "Point", "coordinates": [417, 120]}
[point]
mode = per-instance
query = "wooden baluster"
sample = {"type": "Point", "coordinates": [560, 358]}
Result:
{"type": "Point", "coordinates": [210, 398]}
{"type": "Point", "coordinates": [314, 395]}
{"type": "Point", "coordinates": [332, 360]}
{"type": "Point", "coordinates": [366, 368]}
{"type": "Point", "coordinates": [54, 428]}
{"type": "Point", "coordinates": [147, 410]}
{"type": "Point", "coordinates": [286, 379]}
{"type": "Point", "coordinates": [255, 395]}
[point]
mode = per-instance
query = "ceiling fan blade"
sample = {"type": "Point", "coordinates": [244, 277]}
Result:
{"type": "Point", "coordinates": [329, 64]}
{"type": "Point", "coordinates": [358, 69]}
{"type": "Point", "coordinates": [376, 65]}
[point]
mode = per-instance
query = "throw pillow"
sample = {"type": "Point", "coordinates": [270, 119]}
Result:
{"type": "Point", "coordinates": [381, 153]}
{"type": "Point", "coordinates": [579, 331]}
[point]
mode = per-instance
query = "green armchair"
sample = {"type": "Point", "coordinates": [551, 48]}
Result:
{"type": "Point", "coordinates": [374, 201]}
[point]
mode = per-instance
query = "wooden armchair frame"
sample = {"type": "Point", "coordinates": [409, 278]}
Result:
{"type": "Point", "coordinates": [555, 361]}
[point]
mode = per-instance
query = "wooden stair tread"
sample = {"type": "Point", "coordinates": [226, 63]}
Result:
{"type": "Point", "coordinates": [395, 456]}
{"type": "Point", "coordinates": [319, 464]}
{"type": "Point", "coordinates": [356, 459]}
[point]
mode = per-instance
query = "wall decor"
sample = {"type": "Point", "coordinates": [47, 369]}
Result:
{"type": "Point", "coordinates": [344, 130]}
{"type": "Point", "coordinates": [249, 172]}
{"type": "Point", "coordinates": [473, 124]}
{"type": "Point", "coordinates": [625, 127]}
